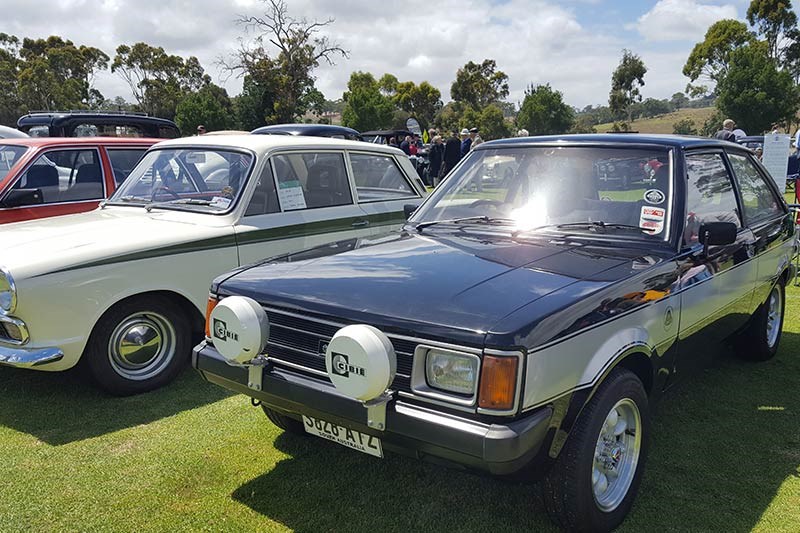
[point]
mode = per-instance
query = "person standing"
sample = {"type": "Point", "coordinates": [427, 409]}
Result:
{"type": "Point", "coordinates": [476, 138]}
{"type": "Point", "coordinates": [451, 155]}
{"type": "Point", "coordinates": [435, 158]}
{"type": "Point", "coordinates": [726, 133]}
{"type": "Point", "coordinates": [405, 146]}
{"type": "Point", "coordinates": [466, 142]}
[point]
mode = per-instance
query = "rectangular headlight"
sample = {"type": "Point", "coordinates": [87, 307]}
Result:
{"type": "Point", "coordinates": [452, 371]}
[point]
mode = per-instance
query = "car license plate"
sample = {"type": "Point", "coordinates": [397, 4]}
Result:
{"type": "Point", "coordinates": [344, 436]}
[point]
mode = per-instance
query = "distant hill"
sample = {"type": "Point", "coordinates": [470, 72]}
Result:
{"type": "Point", "coordinates": [663, 123]}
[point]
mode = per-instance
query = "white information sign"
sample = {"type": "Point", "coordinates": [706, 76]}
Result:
{"type": "Point", "coordinates": [290, 194]}
{"type": "Point", "coordinates": [776, 157]}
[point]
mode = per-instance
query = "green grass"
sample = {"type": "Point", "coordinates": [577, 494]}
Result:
{"type": "Point", "coordinates": [663, 123]}
{"type": "Point", "coordinates": [725, 456]}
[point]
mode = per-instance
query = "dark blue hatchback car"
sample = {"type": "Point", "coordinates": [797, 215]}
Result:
{"type": "Point", "coordinates": [525, 319]}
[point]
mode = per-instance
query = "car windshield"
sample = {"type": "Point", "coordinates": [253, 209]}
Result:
{"type": "Point", "coordinates": [9, 155]}
{"type": "Point", "coordinates": [569, 189]}
{"type": "Point", "coordinates": [197, 179]}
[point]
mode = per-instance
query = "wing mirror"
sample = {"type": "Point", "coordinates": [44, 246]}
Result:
{"type": "Point", "coordinates": [408, 210]}
{"type": "Point", "coordinates": [22, 197]}
{"type": "Point", "coordinates": [717, 234]}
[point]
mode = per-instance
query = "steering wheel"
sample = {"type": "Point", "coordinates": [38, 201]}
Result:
{"type": "Point", "coordinates": [167, 190]}
{"type": "Point", "coordinates": [487, 201]}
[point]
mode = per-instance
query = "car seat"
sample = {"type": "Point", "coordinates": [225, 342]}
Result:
{"type": "Point", "coordinates": [88, 184]}
{"type": "Point", "coordinates": [326, 185]}
{"type": "Point", "coordinates": [41, 176]}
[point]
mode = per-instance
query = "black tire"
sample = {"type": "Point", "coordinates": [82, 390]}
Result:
{"type": "Point", "coordinates": [758, 344]}
{"type": "Point", "coordinates": [133, 374]}
{"type": "Point", "coordinates": [568, 487]}
{"type": "Point", "coordinates": [286, 423]}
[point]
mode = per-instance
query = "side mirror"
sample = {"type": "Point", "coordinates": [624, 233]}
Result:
{"type": "Point", "coordinates": [408, 210]}
{"type": "Point", "coordinates": [22, 197]}
{"type": "Point", "coordinates": [717, 234]}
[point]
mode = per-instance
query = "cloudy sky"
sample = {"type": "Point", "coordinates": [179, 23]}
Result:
{"type": "Point", "coordinates": [572, 44]}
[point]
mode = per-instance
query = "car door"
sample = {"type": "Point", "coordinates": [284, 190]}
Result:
{"type": "Point", "coordinates": [57, 182]}
{"type": "Point", "coordinates": [717, 288]}
{"type": "Point", "coordinates": [766, 216]}
{"type": "Point", "coordinates": [301, 199]}
{"type": "Point", "coordinates": [383, 187]}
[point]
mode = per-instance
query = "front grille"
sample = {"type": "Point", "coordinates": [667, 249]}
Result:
{"type": "Point", "coordinates": [296, 340]}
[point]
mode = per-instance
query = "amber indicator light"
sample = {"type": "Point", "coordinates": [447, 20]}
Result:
{"type": "Point", "coordinates": [212, 303]}
{"type": "Point", "coordinates": [498, 382]}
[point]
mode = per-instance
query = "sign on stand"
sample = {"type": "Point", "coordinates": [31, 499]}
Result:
{"type": "Point", "coordinates": [776, 157]}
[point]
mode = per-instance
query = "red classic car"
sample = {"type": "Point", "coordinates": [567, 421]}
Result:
{"type": "Point", "coordinates": [45, 177]}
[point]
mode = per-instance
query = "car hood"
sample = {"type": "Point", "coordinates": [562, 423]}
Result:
{"type": "Point", "coordinates": [439, 283]}
{"type": "Point", "coordinates": [37, 247]}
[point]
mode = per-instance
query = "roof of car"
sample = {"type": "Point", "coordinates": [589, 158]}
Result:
{"type": "Point", "coordinates": [306, 129]}
{"type": "Point", "coordinates": [72, 141]}
{"type": "Point", "coordinates": [263, 143]}
{"type": "Point", "coordinates": [58, 117]}
{"type": "Point", "coordinates": [675, 141]}
{"type": "Point", "coordinates": [385, 133]}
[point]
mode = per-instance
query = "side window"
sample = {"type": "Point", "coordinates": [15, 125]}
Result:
{"type": "Point", "coordinates": [758, 200]}
{"type": "Point", "coordinates": [709, 196]}
{"type": "Point", "coordinates": [123, 161]}
{"type": "Point", "coordinates": [265, 199]}
{"type": "Point", "coordinates": [378, 177]}
{"type": "Point", "coordinates": [65, 176]}
{"type": "Point", "coordinates": [308, 181]}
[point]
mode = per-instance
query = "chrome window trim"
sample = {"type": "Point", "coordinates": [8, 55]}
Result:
{"type": "Point", "coordinates": [27, 167]}
{"type": "Point", "coordinates": [286, 151]}
{"type": "Point", "coordinates": [391, 157]}
{"type": "Point", "coordinates": [23, 329]}
{"type": "Point", "coordinates": [520, 355]}
{"type": "Point", "coordinates": [419, 381]}
{"type": "Point", "coordinates": [13, 286]}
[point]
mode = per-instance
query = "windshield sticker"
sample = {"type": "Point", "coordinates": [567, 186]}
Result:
{"type": "Point", "coordinates": [654, 196]}
{"type": "Point", "coordinates": [652, 219]}
{"type": "Point", "coordinates": [290, 195]}
{"type": "Point", "coordinates": [220, 202]}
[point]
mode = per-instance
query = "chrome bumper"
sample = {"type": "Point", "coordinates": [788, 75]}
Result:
{"type": "Point", "coordinates": [28, 357]}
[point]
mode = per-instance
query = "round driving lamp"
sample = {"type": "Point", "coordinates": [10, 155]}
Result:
{"type": "Point", "coordinates": [8, 292]}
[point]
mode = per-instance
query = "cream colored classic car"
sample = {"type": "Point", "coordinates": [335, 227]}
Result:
{"type": "Point", "coordinates": [124, 288]}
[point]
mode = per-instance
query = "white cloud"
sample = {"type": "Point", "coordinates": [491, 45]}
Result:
{"type": "Point", "coordinates": [533, 41]}
{"type": "Point", "coordinates": [681, 20]}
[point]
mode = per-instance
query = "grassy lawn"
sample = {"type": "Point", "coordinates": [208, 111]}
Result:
{"type": "Point", "coordinates": [725, 457]}
{"type": "Point", "coordinates": [663, 123]}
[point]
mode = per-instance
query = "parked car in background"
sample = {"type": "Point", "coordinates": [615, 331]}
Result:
{"type": "Point", "coordinates": [383, 136]}
{"type": "Point", "coordinates": [11, 133]}
{"type": "Point", "coordinates": [522, 325]}
{"type": "Point", "coordinates": [313, 130]}
{"type": "Point", "coordinates": [751, 141]}
{"type": "Point", "coordinates": [45, 177]}
{"type": "Point", "coordinates": [124, 288]}
{"type": "Point", "coordinates": [96, 124]}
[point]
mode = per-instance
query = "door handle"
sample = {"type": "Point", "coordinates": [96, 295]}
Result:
{"type": "Point", "coordinates": [360, 223]}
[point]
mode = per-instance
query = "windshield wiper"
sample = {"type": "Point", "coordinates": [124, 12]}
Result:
{"type": "Point", "coordinates": [597, 226]}
{"type": "Point", "coordinates": [481, 218]}
{"type": "Point", "coordinates": [182, 201]}
{"type": "Point", "coordinates": [130, 199]}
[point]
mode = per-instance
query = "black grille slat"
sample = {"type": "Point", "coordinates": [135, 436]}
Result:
{"type": "Point", "coordinates": [297, 340]}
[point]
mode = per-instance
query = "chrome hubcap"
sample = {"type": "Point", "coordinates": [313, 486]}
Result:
{"type": "Point", "coordinates": [141, 345]}
{"type": "Point", "coordinates": [616, 455]}
{"type": "Point", "coordinates": [774, 312]}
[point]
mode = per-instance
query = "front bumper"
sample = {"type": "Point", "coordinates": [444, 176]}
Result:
{"type": "Point", "coordinates": [28, 357]}
{"type": "Point", "coordinates": [410, 429]}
